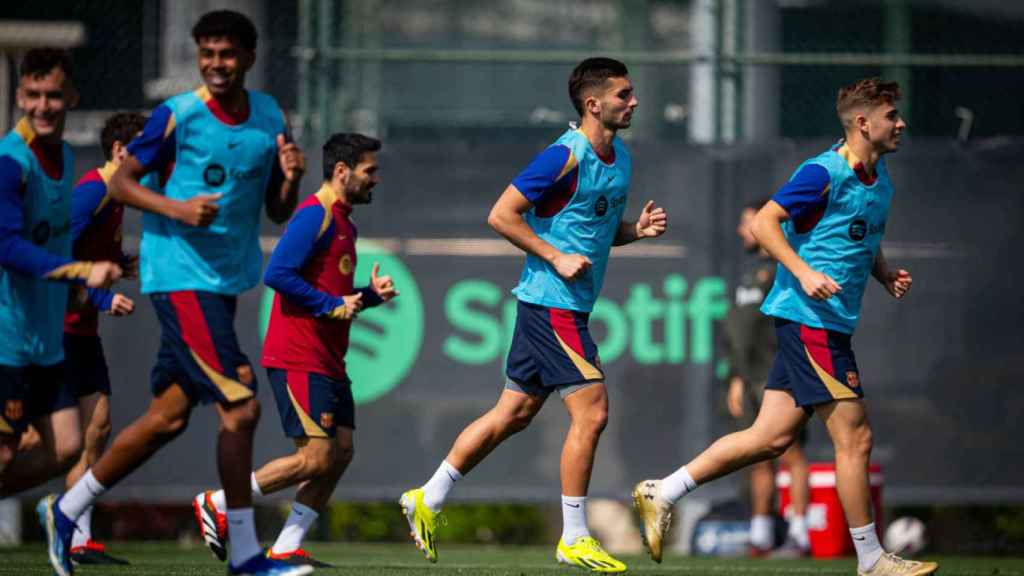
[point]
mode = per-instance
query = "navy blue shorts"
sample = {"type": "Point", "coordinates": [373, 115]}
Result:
{"type": "Point", "coordinates": [199, 349]}
{"type": "Point", "coordinates": [30, 392]}
{"type": "Point", "coordinates": [551, 350]}
{"type": "Point", "coordinates": [815, 365]}
{"type": "Point", "coordinates": [85, 365]}
{"type": "Point", "coordinates": [312, 405]}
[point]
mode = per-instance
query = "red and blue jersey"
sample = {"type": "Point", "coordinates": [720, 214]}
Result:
{"type": "Point", "coordinates": [96, 234]}
{"type": "Point", "coordinates": [310, 270]}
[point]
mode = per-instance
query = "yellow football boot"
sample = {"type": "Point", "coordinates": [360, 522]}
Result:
{"type": "Point", "coordinates": [422, 522]}
{"type": "Point", "coordinates": [586, 553]}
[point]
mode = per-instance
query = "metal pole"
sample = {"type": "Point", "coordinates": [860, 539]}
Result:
{"type": "Point", "coordinates": [761, 99]}
{"type": "Point", "coordinates": [897, 41]}
{"type": "Point", "coordinates": [323, 75]}
{"type": "Point", "coordinates": [304, 54]}
{"type": "Point", "coordinates": [5, 93]}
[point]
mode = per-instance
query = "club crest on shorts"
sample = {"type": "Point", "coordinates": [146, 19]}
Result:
{"type": "Point", "coordinates": [14, 410]}
{"type": "Point", "coordinates": [852, 379]}
{"type": "Point", "coordinates": [327, 420]}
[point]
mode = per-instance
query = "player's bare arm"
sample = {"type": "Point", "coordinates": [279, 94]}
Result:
{"type": "Point", "coordinates": [896, 282]}
{"type": "Point", "coordinates": [283, 196]}
{"type": "Point", "coordinates": [506, 218]}
{"type": "Point", "coordinates": [653, 222]}
{"type": "Point", "coordinates": [199, 210]}
{"type": "Point", "coordinates": [767, 228]}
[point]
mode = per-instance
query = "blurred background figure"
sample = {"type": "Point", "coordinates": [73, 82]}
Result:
{"type": "Point", "coordinates": [750, 346]}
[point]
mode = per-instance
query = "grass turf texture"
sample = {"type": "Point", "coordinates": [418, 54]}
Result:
{"type": "Point", "coordinates": [169, 559]}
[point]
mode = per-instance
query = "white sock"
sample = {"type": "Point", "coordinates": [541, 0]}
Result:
{"type": "Point", "coordinates": [761, 532]}
{"type": "Point", "coordinates": [255, 485]}
{"type": "Point", "coordinates": [574, 518]}
{"type": "Point", "coordinates": [798, 531]}
{"type": "Point", "coordinates": [435, 491]}
{"type": "Point", "coordinates": [295, 528]}
{"type": "Point", "coordinates": [865, 540]}
{"type": "Point", "coordinates": [220, 501]}
{"type": "Point", "coordinates": [81, 496]}
{"type": "Point", "coordinates": [84, 529]}
{"type": "Point", "coordinates": [676, 485]}
{"type": "Point", "coordinates": [242, 535]}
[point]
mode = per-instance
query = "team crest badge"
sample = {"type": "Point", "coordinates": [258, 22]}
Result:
{"type": "Point", "coordinates": [13, 410]}
{"type": "Point", "coordinates": [326, 420]}
{"type": "Point", "coordinates": [345, 265]}
{"type": "Point", "coordinates": [852, 379]}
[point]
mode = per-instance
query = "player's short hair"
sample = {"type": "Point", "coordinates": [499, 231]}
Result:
{"type": "Point", "coordinates": [226, 23]}
{"type": "Point", "coordinates": [866, 93]}
{"type": "Point", "coordinates": [592, 73]}
{"type": "Point", "coordinates": [38, 62]}
{"type": "Point", "coordinates": [121, 127]}
{"type": "Point", "coordinates": [347, 148]}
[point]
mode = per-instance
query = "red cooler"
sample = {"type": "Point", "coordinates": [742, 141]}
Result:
{"type": "Point", "coordinates": [826, 525]}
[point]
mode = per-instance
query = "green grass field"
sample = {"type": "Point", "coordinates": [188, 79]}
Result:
{"type": "Point", "coordinates": [168, 559]}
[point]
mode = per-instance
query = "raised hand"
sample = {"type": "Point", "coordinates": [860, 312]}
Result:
{"type": "Point", "coordinates": [293, 161]}
{"type": "Point", "coordinates": [199, 210]}
{"type": "Point", "coordinates": [652, 222]}
{"type": "Point", "coordinates": [121, 305]}
{"type": "Point", "coordinates": [571, 266]}
{"type": "Point", "coordinates": [103, 274]}
{"type": "Point", "coordinates": [897, 283]}
{"type": "Point", "coordinates": [819, 286]}
{"type": "Point", "coordinates": [384, 286]}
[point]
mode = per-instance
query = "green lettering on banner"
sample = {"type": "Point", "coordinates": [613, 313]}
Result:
{"type": "Point", "coordinates": [384, 341]}
{"type": "Point", "coordinates": [484, 322]}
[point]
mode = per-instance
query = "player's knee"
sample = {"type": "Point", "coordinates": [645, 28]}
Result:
{"type": "Point", "coordinates": [343, 455]}
{"type": "Point", "coordinates": [317, 462]}
{"type": "Point", "coordinates": [862, 441]}
{"type": "Point", "coordinates": [518, 421]}
{"type": "Point", "coordinates": [778, 445]}
{"type": "Point", "coordinates": [67, 450]}
{"type": "Point", "coordinates": [242, 417]}
{"type": "Point", "coordinates": [98, 432]}
{"type": "Point", "coordinates": [595, 420]}
{"type": "Point", "coordinates": [167, 427]}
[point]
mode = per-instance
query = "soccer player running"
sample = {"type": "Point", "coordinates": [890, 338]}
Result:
{"type": "Point", "coordinates": [222, 153]}
{"type": "Point", "coordinates": [825, 228]}
{"type": "Point", "coordinates": [312, 270]}
{"type": "Point", "coordinates": [750, 346]}
{"type": "Point", "coordinates": [96, 231]}
{"type": "Point", "coordinates": [565, 211]}
{"type": "Point", "coordinates": [36, 268]}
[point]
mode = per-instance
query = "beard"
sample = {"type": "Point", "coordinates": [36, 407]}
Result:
{"type": "Point", "coordinates": [363, 197]}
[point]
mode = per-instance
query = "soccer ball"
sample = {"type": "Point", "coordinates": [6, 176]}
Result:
{"type": "Point", "coordinates": [905, 536]}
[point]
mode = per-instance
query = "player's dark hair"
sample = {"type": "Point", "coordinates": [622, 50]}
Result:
{"type": "Point", "coordinates": [592, 73]}
{"type": "Point", "coordinates": [347, 148]}
{"type": "Point", "coordinates": [866, 93]}
{"type": "Point", "coordinates": [226, 23]}
{"type": "Point", "coordinates": [121, 127]}
{"type": "Point", "coordinates": [39, 62]}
